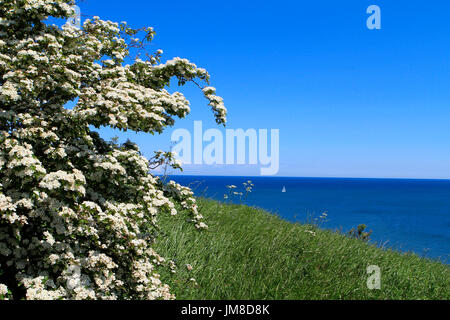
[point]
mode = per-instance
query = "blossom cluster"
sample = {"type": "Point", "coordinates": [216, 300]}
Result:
{"type": "Point", "coordinates": [79, 215]}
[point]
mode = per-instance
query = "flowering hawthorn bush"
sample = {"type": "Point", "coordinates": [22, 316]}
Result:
{"type": "Point", "coordinates": [78, 215]}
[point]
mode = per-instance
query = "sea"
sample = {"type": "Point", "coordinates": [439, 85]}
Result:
{"type": "Point", "coordinates": [407, 215]}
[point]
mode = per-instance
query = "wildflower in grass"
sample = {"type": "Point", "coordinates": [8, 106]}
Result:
{"type": "Point", "coordinates": [172, 266]}
{"type": "Point", "coordinates": [193, 281]}
{"type": "Point", "coordinates": [240, 195]}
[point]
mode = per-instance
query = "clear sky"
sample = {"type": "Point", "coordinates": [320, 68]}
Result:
{"type": "Point", "coordinates": [349, 101]}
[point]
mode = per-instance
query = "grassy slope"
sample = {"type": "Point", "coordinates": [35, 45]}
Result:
{"type": "Point", "coordinates": [250, 254]}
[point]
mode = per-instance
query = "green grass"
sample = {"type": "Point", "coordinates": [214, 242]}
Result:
{"type": "Point", "coordinates": [248, 253]}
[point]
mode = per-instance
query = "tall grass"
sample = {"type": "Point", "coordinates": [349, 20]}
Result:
{"type": "Point", "coordinates": [248, 253]}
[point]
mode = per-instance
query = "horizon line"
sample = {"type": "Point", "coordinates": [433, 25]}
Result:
{"type": "Point", "coordinates": [310, 177]}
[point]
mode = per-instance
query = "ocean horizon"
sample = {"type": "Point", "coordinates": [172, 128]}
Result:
{"type": "Point", "coordinates": [407, 215]}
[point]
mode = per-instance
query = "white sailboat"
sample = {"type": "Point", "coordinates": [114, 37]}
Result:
{"type": "Point", "coordinates": [284, 189]}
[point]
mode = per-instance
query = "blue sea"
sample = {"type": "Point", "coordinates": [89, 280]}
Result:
{"type": "Point", "coordinates": [404, 214]}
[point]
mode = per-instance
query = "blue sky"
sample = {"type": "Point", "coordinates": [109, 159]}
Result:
{"type": "Point", "coordinates": [349, 101]}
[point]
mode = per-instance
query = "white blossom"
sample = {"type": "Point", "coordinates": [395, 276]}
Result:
{"type": "Point", "coordinates": [3, 289]}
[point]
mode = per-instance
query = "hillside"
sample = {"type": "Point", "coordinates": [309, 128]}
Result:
{"type": "Point", "coordinates": [248, 253]}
